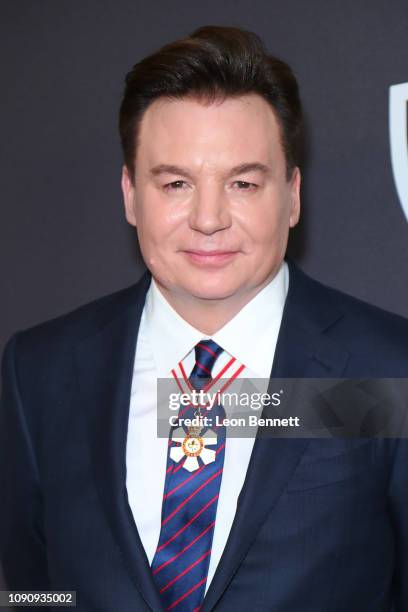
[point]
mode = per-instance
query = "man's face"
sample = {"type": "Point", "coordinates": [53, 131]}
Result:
{"type": "Point", "coordinates": [211, 201]}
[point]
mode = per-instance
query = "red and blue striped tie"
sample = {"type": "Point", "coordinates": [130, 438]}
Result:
{"type": "Point", "coordinates": [190, 497]}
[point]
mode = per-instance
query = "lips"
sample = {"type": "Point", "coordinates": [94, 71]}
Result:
{"type": "Point", "coordinates": [214, 257]}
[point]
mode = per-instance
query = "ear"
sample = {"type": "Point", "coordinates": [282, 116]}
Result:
{"type": "Point", "coordinates": [295, 197]}
{"type": "Point", "coordinates": [128, 191]}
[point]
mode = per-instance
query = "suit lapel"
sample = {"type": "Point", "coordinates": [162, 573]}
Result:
{"type": "Point", "coordinates": [104, 369]}
{"type": "Point", "coordinates": [302, 351]}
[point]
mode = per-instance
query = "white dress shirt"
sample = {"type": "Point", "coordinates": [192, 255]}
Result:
{"type": "Point", "coordinates": [164, 339]}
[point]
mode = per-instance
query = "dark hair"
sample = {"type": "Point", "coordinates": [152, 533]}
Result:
{"type": "Point", "coordinates": [213, 63]}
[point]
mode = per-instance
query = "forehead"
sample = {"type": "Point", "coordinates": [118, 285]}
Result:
{"type": "Point", "coordinates": [191, 132]}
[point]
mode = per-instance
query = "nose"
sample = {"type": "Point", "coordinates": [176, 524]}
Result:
{"type": "Point", "coordinates": [210, 211]}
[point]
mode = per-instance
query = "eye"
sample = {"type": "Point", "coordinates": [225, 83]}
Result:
{"type": "Point", "coordinates": [245, 186]}
{"type": "Point", "coordinates": [175, 186]}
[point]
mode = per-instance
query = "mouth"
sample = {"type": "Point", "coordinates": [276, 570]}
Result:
{"type": "Point", "coordinates": [210, 258]}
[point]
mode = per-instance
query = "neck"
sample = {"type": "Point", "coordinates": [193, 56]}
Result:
{"type": "Point", "coordinates": [208, 315]}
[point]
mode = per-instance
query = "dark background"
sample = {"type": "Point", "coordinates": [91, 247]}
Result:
{"type": "Point", "coordinates": [64, 240]}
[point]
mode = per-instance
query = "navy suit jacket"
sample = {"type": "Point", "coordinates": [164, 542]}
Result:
{"type": "Point", "coordinates": [320, 525]}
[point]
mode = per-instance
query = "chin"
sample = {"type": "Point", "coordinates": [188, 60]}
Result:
{"type": "Point", "coordinates": [209, 291]}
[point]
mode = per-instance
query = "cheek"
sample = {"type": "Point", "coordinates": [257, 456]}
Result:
{"type": "Point", "coordinates": [157, 223]}
{"type": "Point", "coordinates": [265, 225]}
{"type": "Point", "coordinates": [159, 238]}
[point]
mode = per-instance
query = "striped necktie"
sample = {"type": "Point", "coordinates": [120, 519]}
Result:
{"type": "Point", "coordinates": [193, 479]}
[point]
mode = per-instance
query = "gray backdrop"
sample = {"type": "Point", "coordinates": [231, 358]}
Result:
{"type": "Point", "coordinates": [64, 240]}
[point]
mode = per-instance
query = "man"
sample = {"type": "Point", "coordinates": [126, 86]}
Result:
{"type": "Point", "coordinates": [94, 500]}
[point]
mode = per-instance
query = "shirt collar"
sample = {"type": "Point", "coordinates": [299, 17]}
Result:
{"type": "Point", "coordinates": [250, 336]}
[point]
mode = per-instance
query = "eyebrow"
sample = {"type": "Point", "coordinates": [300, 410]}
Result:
{"type": "Point", "coordinates": [240, 169]}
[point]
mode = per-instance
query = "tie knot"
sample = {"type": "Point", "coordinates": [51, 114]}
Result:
{"type": "Point", "coordinates": [206, 354]}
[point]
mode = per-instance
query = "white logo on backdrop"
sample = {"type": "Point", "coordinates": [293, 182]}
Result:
{"type": "Point", "coordinates": [398, 110]}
